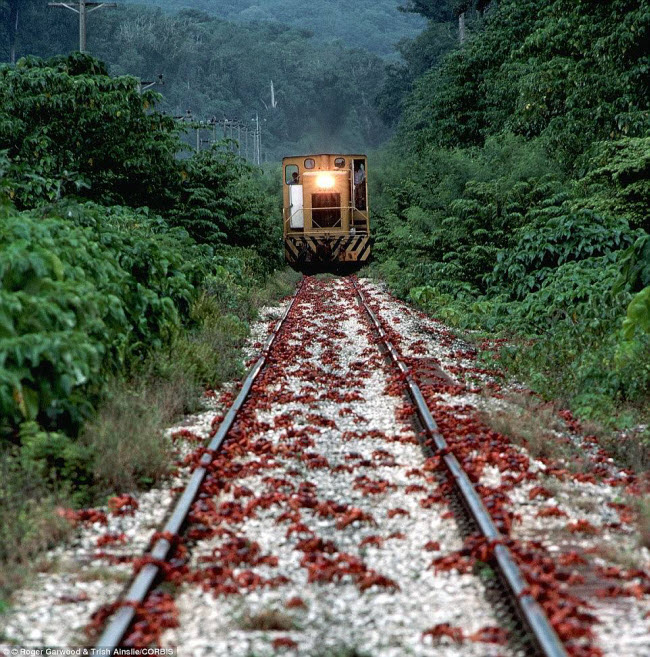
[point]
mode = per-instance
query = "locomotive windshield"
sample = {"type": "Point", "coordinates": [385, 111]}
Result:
{"type": "Point", "coordinates": [326, 209]}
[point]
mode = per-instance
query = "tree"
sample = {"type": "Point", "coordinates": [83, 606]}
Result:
{"type": "Point", "coordinates": [447, 10]}
{"type": "Point", "coordinates": [421, 54]}
{"type": "Point", "coordinates": [68, 126]}
{"type": "Point", "coordinates": [434, 10]}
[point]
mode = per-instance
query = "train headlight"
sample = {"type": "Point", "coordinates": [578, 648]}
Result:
{"type": "Point", "coordinates": [325, 181]}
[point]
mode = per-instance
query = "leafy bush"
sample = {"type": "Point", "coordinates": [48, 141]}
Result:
{"type": "Point", "coordinates": [223, 202]}
{"type": "Point", "coordinates": [571, 72]}
{"type": "Point", "coordinates": [617, 178]}
{"type": "Point", "coordinates": [516, 196]}
{"type": "Point", "coordinates": [546, 244]}
{"type": "Point", "coordinates": [69, 127]}
{"type": "Point", "coordinates": [81, 298]}
{"type": "Point", "coordinates": [461, 208]}
{"type": "Point", "coordinates": [637, 318]}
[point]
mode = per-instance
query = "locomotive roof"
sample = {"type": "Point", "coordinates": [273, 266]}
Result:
{"type": "Point", "coordinates": [293, 157]}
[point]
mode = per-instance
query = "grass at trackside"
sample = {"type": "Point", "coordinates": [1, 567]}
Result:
{"type": "Point", "coordinates": [133, 418]}
{"type": "Point", "coordinates": [622, 427]}
{"type": "Point", "coordinates": [267, 620]}
{"type": "Point", "coordinates": [124, 440]}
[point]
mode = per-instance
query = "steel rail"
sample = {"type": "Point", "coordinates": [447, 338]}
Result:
{"type": "Point", "coordinates": [544, 635]}
{"type": "Point", "coordinates": [115, 631]}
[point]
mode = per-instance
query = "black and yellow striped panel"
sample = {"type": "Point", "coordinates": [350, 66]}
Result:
{"type": "Point", "coordinates": [314, 249]}
{"type": "Point", "coordinates": [358, 248]}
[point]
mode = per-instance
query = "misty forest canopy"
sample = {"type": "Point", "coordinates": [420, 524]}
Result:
{"type": "Point", "coordinates": [324, 90]}
{"type": "Point", "coordinates": [375, 25]}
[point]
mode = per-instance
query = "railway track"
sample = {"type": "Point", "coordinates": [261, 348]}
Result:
{"type": "Point", "coordinates": [327, 488]}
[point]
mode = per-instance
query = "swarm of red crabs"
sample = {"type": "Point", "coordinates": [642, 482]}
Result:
{"type": "Point", "coordinates": [476, 446]}
{"type": "Point", "coordinates": [238, 565]}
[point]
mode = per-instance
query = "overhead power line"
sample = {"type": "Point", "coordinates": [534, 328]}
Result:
{"type": "Point", "coordinates": [243, 139]}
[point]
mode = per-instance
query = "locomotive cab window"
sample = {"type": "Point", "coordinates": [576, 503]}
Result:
{"type": "Point", "coordinates": [291, 175]}
{"type": "Point", "coordinates": [339, 162]}
{"type": "Point", "coordinates": [359, 184]}
{"type": "Point", "coordinates": [310, 163]}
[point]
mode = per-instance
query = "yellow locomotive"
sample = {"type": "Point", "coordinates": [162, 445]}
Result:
{"type": "Point", "coordinates": [326, 217]}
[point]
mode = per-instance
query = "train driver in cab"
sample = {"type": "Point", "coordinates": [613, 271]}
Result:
{"type": "Point", "coordinates": [295, 178]}
{"type": "Point", "coordinates": [359, 186]}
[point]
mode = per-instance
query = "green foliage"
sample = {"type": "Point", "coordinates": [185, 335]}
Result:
{"type": "Point", "coordinates": [419, 55]}
{"type": "Point", "coordinates": [638, 315]}
{"type": "Point", "coordinates": [85, 291]}
{"type": "Point", "coordinates": [542, 247]}
{"type": "Point", "coordinates": [89, 290]}
{"type": "Point", "coordinates": [516, 196]}
{"type": "Point", "coordinates": [222, 202]}
{"type": "Point", "coordinates": [571, 72]}
{"type": "Point", "coordinates": [617, 179]}
{"type": "Point", "coordinates": [499, 243]}
{"type": "Point", "coordinates": [92, 295]}
{"type": "Point", "coordinates": [68, 127]}
{"type": "Point", "coordinates": [433, 10]}
{"type": "Point", "coordinates": [635, 265]}
{"type": "Point", "coordinates": [54, 458]}
{"type": "Point", "coordinates": [108, 327]}
{"type": "Point", "coordinates": [462, 207]}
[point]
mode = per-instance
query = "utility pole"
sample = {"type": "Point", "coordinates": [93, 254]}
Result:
{"type": "Point", "coordinates": [274, 103]}
{"type": "Point", "coordinates": [258, 141]}
{"type": "Point", "coordinates": [83, 8]}
{"type": "Point", "coordinates": [247, 144]}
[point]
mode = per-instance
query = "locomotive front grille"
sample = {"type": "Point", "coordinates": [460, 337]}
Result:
{"type": "Point", "coordinates": [326, 210]}
{"type": "Point", "coordinates": [315, 249]}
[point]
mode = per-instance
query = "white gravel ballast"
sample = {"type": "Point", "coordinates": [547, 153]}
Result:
{"type": "Point", "coordinates": [323, 530]}
{"type": "Point", "coordinates": [347, 584]}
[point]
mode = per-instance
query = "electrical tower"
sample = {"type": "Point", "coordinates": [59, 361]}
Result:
{"type": "Point", "coordinates": [241, 139]}
{"type": "Point", "coordinates": [83, 8]}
